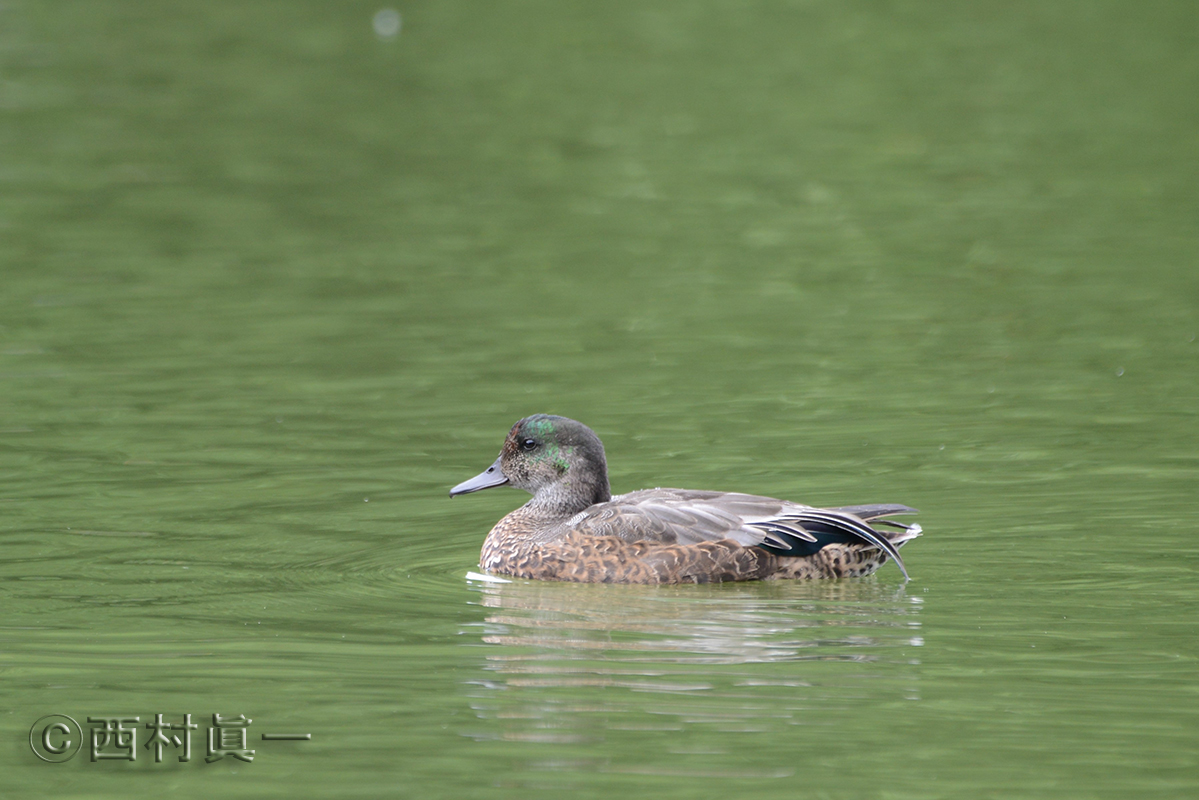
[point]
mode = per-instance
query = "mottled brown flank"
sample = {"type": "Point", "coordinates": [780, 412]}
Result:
{"type": "Point", "coordinates": [581, 558]}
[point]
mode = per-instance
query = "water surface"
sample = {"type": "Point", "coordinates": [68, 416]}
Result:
{"type": "Point", "coordinates": [271, 283]}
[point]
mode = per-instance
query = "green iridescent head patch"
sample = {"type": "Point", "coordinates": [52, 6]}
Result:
{"type": "Point", "coordinates": [541, 427]}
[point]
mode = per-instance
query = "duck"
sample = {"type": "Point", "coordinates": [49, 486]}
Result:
{"type": "Point", "coordinates": [574, 529]}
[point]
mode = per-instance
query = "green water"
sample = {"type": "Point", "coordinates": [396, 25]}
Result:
{"type": "Point", "coordinates": [271, 283]}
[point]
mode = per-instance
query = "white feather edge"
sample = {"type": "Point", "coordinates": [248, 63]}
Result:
{"type": "Point", "coordinates": [478, 576]}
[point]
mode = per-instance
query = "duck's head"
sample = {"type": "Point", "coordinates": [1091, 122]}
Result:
{"type": "Point", "coordinates": [551, 457]}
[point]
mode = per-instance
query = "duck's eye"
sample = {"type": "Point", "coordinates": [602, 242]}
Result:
{"type": "Point", "coordinates": [527, 444]}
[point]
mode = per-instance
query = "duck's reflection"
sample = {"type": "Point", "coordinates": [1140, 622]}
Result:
{"type": "Point", "coordinates": [727, 624]}
{"type": "Point", "coordinates": [571, 663]}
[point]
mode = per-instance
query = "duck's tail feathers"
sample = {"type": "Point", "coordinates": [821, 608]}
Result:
{"type": "Point", "coordinates": [825, 526]}
{"type": "Point", "coordinates": [876, 510]}
{"type": "Point", "coordinates": [902, 533]}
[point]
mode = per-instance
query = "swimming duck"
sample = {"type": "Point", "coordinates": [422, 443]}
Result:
{"type": "Point", "coordinates": [574, 529]}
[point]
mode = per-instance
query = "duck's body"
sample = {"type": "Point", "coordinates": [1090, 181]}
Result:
{"type": "Point", "coordinates": [575, 530]}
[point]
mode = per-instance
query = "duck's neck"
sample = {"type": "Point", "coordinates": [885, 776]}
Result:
{"type": "Point", "coordinates": [562, 500]}
{"type": "Point", "coordinates": [516, 537]}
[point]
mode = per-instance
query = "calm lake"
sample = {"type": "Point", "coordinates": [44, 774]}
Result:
{"type": "Point", "coordinates": [274, 276]}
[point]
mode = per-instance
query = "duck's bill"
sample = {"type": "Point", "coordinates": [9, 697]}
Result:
{"type": "Point", "coordinates": [492, 476]}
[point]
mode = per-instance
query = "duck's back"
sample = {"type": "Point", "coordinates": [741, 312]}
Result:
{"type": "Point", "coordinates": [681, 516]}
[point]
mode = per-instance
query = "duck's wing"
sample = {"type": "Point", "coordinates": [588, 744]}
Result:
{"type": "Point", "coordinates": [671, 516]}
{"type": "Point", "coordinates": [682, 516]}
